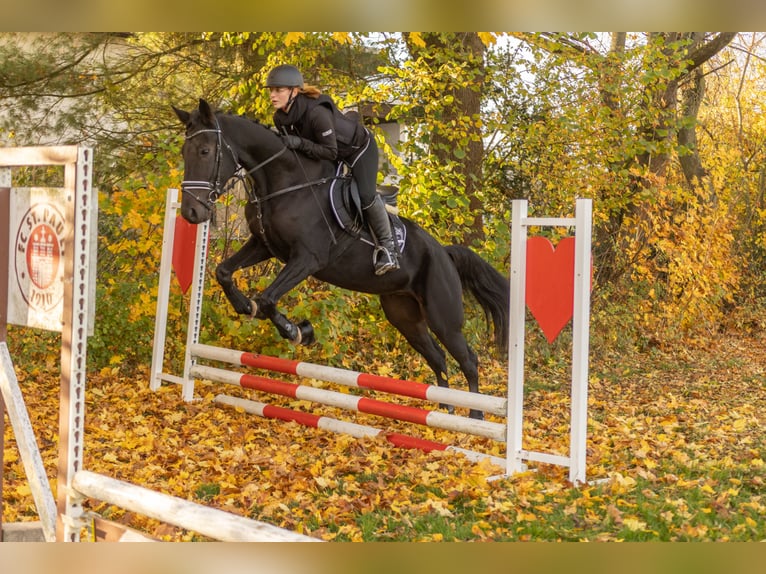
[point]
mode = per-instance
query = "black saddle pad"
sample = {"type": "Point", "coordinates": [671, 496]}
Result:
{"type": "Point", "coordinates": [347, 208]}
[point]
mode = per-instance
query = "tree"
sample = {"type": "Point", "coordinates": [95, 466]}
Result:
{"type": "Point", "coordinates": [457, 60]}
{"type": "Point", "coordinates": [660, 105]}
{"type": "Point", "coordinates": [110, 91]}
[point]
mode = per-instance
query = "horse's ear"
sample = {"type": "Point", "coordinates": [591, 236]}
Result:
{"type": "Point", "coordinates": [206, 112]}
{"type": "Point", "coordinates": [182, 115]}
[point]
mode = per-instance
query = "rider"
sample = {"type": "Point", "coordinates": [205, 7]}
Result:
{"type": "Point", "coordinates": [310, 122]}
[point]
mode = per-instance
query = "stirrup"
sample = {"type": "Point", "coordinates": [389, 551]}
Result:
{"type": "Point", "coordinates": [385, 263]}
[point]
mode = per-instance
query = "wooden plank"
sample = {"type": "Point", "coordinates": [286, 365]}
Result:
{"type": "Point", "coordinates": [109, 531]}
{"type": "Point", "coordinates": [204, 520]}
{"type": "Point", "coordinates": [40, 155]}
{"type": "Point", "coordinates": [25, 439]}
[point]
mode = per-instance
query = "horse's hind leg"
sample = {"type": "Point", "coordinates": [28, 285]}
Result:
{"type": "Point", "coordinates": [405, 313]}
{"type": "Point", "coordinates": [466, 358]}
{"type": "Point", "coordinates": [444, 315]}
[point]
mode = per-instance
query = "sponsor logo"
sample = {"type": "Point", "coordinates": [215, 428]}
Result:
{"type": "Point", "coordinates": [39, 257]}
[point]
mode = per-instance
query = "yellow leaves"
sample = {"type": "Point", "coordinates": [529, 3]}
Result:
{"type": "Point", "coordinates": [621, 484]}
{"type": "Point", "coordinates": [694, 531]}
{"type": "Point", "coordinates": [23, 489]}
{"type": "Point", "coordinates": [294, 37]}
{"type": "Point", "coordinates": [438, 507]}
{"type": "Point", "coordinates": [707, 489]}
{"type": "Point", "coordinates": [488, 38]}
{"type": "Point", "coordinates": [109, 457]}
{"type": "Point", "coordinates": [417, 39]}
{"type": "Point", "coordinates": [522, 516]}
{"type": "Point", "coordinates": [340, 488]}
{"type": "Point", "coordinates": [342, 37]}
{"type": "Point", "coordinates": [174, 417]}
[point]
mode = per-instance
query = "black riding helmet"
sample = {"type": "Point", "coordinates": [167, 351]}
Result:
{"type": "Point", "coordinates": [284, 76]}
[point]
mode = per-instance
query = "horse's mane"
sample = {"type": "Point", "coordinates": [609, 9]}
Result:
{"type": "Point", "coordinates": [249, 119]}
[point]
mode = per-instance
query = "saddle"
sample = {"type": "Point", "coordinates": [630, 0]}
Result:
{"type": "Point", "coordinates": [347, 207]}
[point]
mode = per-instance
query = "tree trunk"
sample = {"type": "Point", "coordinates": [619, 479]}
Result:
{"type": "Point", "coordinates": [465, 110]}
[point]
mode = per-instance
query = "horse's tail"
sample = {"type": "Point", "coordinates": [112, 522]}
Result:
{"type": "Point", "coordinates": [490, 288]}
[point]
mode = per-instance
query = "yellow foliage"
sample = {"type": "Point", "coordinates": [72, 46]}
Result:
{"type": "Point", "coordinates": [294, 37]}
{"type": "Point", "coordinates": [682, 245]}
{"type": "Point", "coordinates": [417, 39]}
{"type": "Point", "coordinates": [342, 37]}
{"type": "Point", "coordinates": [488, 38]}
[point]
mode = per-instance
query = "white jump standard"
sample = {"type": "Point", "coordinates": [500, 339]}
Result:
{"type": "Point", "coordinates": [511, 407]}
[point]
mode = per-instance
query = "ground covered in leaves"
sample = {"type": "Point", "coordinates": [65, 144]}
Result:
{"type": "Point", "coordinates": [676, 452]}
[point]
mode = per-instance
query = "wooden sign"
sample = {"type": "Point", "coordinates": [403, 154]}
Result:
{"type": "Point", "coordinates": [37, 232]}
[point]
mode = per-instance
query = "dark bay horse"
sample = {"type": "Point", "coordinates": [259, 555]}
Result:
{"type": "Point", "coordinates": [290, 218]}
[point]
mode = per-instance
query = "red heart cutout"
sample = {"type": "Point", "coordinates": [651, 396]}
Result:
{"type": "Point", "coordinates": [184, 248]}
{"type": "Point", "coordinates": [550, 283]}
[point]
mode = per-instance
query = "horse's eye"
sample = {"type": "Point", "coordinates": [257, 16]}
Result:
{"type": "Point", "coordinates": [204, 151]}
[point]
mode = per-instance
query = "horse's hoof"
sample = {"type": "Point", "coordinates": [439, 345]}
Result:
{"type": "Point", "coordinates": [305, 333]}
{"type": "Point", "coordinates": [449, 408]}
{"type": "Point", "coordinates": [478, 415]}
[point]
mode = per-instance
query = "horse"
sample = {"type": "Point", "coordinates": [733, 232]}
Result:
{"type": "Point", "coordinates": [290, 218]}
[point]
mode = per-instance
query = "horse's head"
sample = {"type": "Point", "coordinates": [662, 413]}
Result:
{"type": "Point", "coordinates": [207, 163]}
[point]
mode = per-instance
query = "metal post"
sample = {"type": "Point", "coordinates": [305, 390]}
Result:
{"type": "Point", "coordinates": [5, 208]}
{"type": "Point", "coordinates": [77, 180]}
{"type": "Point", "coordinates": [195, 307]}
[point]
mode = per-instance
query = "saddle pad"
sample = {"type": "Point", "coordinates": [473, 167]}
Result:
{"type": "Point", "coordinates": [347, 211]}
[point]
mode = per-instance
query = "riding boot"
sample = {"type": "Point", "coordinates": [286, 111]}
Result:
{"type": "Point", "coordinates": [385, 256]}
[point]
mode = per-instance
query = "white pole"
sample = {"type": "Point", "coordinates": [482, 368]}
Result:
{"type": "Point", "coordinates": [74, 339]}
{"type": "Point", "coordinates": [580, 341]}
{"type": "Point", "coordinates": [515, 415]}
{"type": "Point", "coordinates": [416, 415]}
{"type": "Point", "coordinates": [27, 444]}
{"type": "Point", "coordinates": [163, 291]}
{"type": "Point", "coordinates": [349, 378]}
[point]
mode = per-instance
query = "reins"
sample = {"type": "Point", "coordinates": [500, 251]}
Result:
{"type": "Point", "coordinates": [215, 190]}
{"type": "Point", "coordinates": [295, 188]}
{"type": "Point", "coordinates": [240, 173]}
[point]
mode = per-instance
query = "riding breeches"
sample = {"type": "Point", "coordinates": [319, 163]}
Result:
{"type": "Point", "coordinates": [364, 170]}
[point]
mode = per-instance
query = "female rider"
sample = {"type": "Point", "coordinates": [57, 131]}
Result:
{"type": "Point", "coordinates": [310, 122]}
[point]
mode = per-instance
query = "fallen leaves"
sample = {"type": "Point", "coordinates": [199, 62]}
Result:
{"type": "Point", "coordinates": [676, 451]}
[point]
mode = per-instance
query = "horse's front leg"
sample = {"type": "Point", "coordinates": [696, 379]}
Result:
{"type": "Point", "coordinates": [295, 271]}
{"type": "Point", "coordinates": [250, 254]}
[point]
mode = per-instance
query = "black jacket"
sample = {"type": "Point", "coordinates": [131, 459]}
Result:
{"type": "Point", "coordinates": [326, 132]}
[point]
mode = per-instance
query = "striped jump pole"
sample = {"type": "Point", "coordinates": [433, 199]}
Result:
{"type": "Point", "coordinates": [495, 431]}
{"type": "Point", "coordinates": [412, 389]}
{"type": "Point", "coordinates": [353, 429]}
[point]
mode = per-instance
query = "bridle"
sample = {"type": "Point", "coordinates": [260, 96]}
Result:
{"type": "Point", "coordinates": [214, 187]}
{"type": "Point", "coordinates": [215, 190]}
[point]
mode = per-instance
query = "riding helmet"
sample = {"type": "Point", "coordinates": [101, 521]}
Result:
{"type": "Point", "coordinates": [284, 76]}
